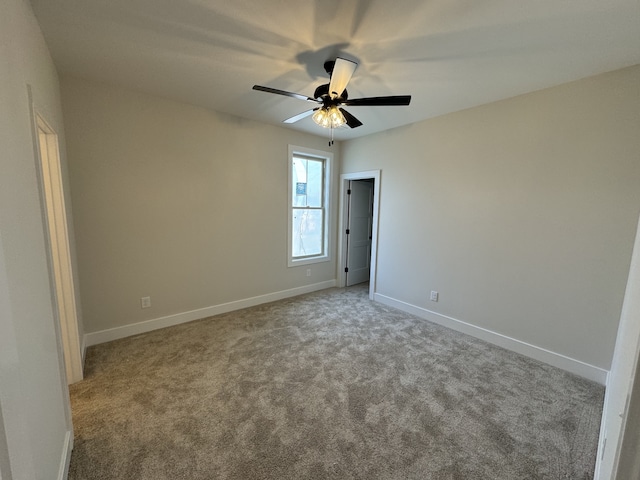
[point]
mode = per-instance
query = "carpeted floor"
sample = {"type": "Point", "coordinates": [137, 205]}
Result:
{"type": "Point", "coordinates": [327, 386]}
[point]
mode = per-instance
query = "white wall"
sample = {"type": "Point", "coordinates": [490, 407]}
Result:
{"type": "Point", "coordinates": [520, 213]}
{"type": "Point", "coordinates": [33, 396]}
{"type": "Point", "coordinates": [175, 202]}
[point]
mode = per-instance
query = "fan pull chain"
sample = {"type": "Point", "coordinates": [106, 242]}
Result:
{"type": "Point", "coordinates": [331, 141]}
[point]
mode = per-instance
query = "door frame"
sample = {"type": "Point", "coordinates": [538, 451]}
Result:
{"type": "Point", "coordinates": [7, 354]}
{"type": "Point", "coordinates": [342, 223]}
{"type": "Point", "coordinates": [58, 247]}
{"type": "Point", "coordinates": [620, 386]}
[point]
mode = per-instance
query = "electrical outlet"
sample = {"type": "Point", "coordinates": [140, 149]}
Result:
{"type": "Point", "coordinates": [308, 272]}
{"type": "Point", "coordinates": [145, 302]}
{"type": "Point", "coordinates": [434, 296]}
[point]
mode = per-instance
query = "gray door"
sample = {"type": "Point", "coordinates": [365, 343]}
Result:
{"type": "Point", "coordinates": [359, 223]}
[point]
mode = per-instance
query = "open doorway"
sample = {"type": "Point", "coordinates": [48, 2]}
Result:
{"type": "Point", "coordinates": [359, 231]}
{"type": "Point", "coordinates": [357, 252]}
{"type": "Point", "coordinates": [58, 243]}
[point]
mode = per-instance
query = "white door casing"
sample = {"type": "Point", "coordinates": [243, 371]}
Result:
{"type": "Point", "coordinates": [60, 255]}
{"type": "Point", "coordinates": [375, 175]}
{"type": "Point", "coordinates": [620, 381]}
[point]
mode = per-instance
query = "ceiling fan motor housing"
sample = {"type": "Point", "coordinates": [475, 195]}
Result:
{"type": "Point", "coordinates": [322, 93]}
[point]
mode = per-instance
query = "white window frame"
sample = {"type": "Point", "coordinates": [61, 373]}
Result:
{"type": "Point", "coordinates": [328, 160]}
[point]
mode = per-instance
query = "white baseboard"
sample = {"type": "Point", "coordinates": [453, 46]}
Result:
{"type": "Point", "coordinates": [108, 335]}
{"type": "Point", "coordinates": [65, 460]}
{"type": "Point", "coordinates": [572, 365]}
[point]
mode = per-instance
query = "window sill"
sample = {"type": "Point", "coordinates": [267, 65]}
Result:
{"type": "Point", "coordinates": [308, 261]}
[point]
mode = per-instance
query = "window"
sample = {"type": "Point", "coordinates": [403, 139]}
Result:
{"type": "Point", "coordinates": [309, 189]}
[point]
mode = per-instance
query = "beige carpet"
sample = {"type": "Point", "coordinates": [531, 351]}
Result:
{"type": "Point", "coordinates": [327, 386]}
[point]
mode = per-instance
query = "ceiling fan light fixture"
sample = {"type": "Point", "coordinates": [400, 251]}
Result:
{"type": "Point", "coordinates": [329, 117]}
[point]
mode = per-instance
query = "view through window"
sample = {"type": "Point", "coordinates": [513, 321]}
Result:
{"type": "Point", "coordinates": [308, 207]}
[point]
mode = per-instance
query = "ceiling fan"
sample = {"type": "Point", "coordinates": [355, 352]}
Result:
{"type": "Point", "coordinates": [332, 96]}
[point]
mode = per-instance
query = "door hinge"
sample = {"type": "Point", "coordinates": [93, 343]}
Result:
{"type": "Point", "coordinates": [349, 192]}
{"type": "Point", "coordinates": [347, 232]}
{"type": "Point", "coordinates": [346, 269]}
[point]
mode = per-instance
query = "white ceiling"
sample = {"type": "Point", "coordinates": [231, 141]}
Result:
{"type": "Point", "coordinates": [448, 54]}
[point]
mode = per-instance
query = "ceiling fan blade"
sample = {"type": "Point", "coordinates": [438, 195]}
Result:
{"type": "Point", "coordinates": [300, 116]}
{"type": "Point", "coordinates": [396, 100]}
{"type": "Point", "coordinates": [342, 73]}
{"type": "Point", "coordinates": [286, 94]}
{"type": "Point", "coordinates": [352, 121]}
